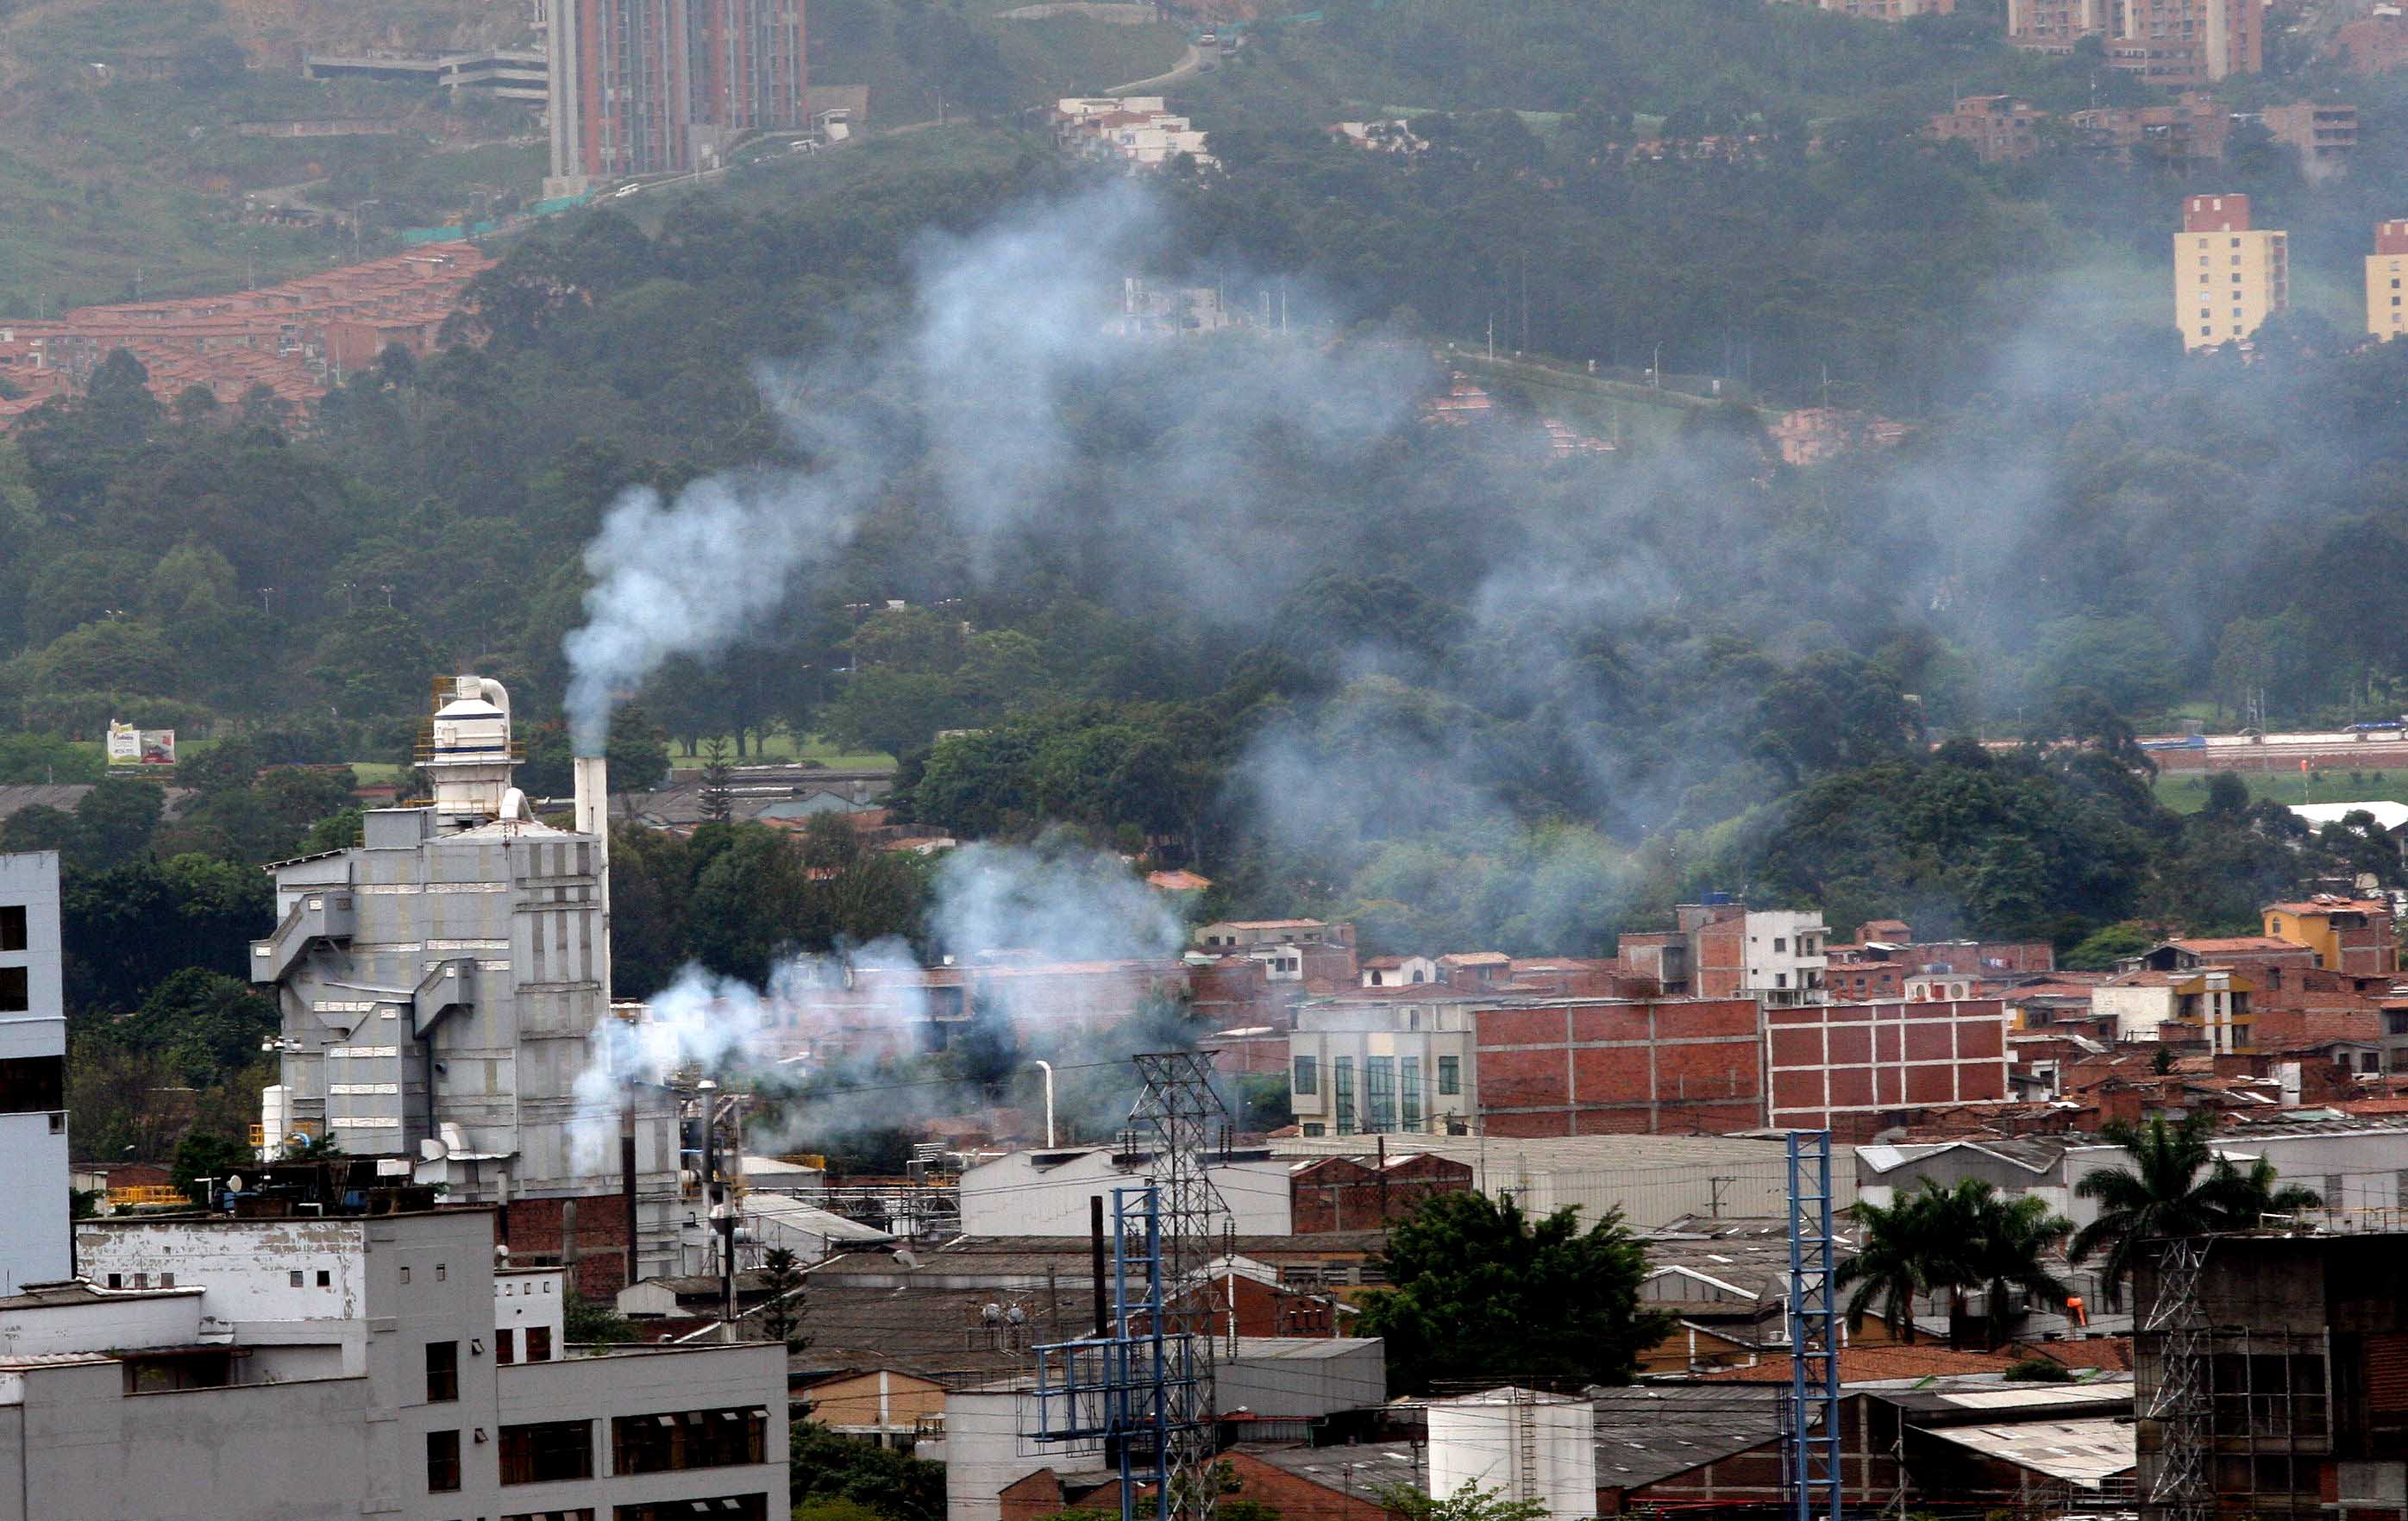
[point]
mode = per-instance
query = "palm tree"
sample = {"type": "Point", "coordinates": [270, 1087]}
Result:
{"type": "Point", "coordinates": [1892, 1256]}
{"type": "Point", "coordinates": [1940, 1240]}
{"type": "Point", "coordinates": [2011, 1245]}
{"type": "Point", "coordinates": [2163, 1195]}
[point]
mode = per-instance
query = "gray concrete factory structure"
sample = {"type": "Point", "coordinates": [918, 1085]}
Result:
{"type": "Point", "coordinates": [34, 1242]}
{"type": "Point", "coordinates": [445, 987]}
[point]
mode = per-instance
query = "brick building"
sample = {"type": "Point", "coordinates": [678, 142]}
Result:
{"type": "Point", "coordinates": [2347, 934]}
{"type": "Point", "coordinates": [1345, 1193]}
{"type": "Point", "coordinates": [2000, 129]}
{"type": "Point", "coordinates": [1583, 1067]}
{"type": "Point", "coordinates": [1848, 1067]}
{"type": "Point", "coordinates": [637, 88]}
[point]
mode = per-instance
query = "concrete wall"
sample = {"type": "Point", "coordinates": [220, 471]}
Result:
{"type": "Point", "coordinates": [528, 1299]}
{"type": "Point", "coordinates": [74, 1446]}
{"type": "Point", "coordinates": [990, 1442]}
{"type": "Point", "coordinates": [1015, 1196]}
{"type": "Point", "coordinates": [1298, 1377]}
{"type": "Point", "coordinates": [126, 1320]}
{"type": "Point", "coordinates": [34, 1239]}
{"type": "Point", "coordinates": [245, 1269]}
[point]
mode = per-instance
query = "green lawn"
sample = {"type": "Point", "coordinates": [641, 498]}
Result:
{"type": "Point", "coordinates": [787, 747]}
{"type": "Point", "coordinates": [2186, 791]}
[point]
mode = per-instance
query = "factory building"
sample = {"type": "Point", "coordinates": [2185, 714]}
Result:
{"type": "Point", "coordinates": [297, 1366]}
{"type": "Point", "coordinates": [445, 986]}
{"type": "Point", "coordinates": [34, 1242]}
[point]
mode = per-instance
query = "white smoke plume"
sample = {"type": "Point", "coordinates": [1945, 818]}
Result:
{"type": "Point", "coordinates": [1005, 324]}
{"type": "Point", "coordinates": [1048, 903]}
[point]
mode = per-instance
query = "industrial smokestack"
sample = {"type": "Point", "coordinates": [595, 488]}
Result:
{"type": "Point", "coordinates": [593, 818]}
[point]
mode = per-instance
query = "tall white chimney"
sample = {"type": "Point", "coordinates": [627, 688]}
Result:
{"type": "Point", "coordinates": [593, 818]}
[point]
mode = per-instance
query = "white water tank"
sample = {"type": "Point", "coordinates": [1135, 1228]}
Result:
{"type": "Point", "coordinates": [1525, 1445]}
{"type": "Point", "coordinates": [275, 1120]}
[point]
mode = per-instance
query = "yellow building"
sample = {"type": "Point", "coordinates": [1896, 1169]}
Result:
{"type": "Point", "coordinates": [2384, 272]}
{"type": "Point", "coordinates": [2351, 935]}
{"type": "Point", "coordinates": [2229, 277]}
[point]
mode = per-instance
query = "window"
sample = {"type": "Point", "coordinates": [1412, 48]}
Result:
{"type": "Point", "coordinates": [728, 1508]}
{"type": "Point", "coordinates": [12, 916]}
{"type": "Point", "coordinates": [326, 1278]}
{"type": "Point", "coordinates": [506, 1346]}
{"type": "Point", "coordinates": [1308, 1074]}
{"type": "Point", "coordinates": [167, 1280]}
{"type": "Point", "coordinates": [1342, 1096]}
{"type": "Point", "coordinates": [545, 1452]}
{"type": "Point", "coordinates": [584, 1515]}
{"type": "Point", "coordinates": [442, 1463]}
{"type": "Point", "coordinates": [405, 1273]}
{"type": "Point", "coordinates": [666, 1443]}
{"type": "Point", "coordinates": [295, 1277]}
{"type": "Point", "coordinates": [1379, 1095]}
{"type": "Point", "coordinates": [31, 1084]}
{"type": "Point", "coordinates": [117, 1280]}
{"type": "Point", "coordinates": [16, 991]}
{"type": "Point", "coordinates": [1314, 1127]}
{"type": "Point", "coordinates": [1779, 945]}
{"type": "Point", "coordinates": [1450, 1075]}
{"type": "Point", "coordinates": [439, 1273]}
{"type": "Point", "coordinates": [442, 1371]}
{"type": "Point", "coordinates": [539, 1344]}
{"type": "Point", "coordinates": [1781, 979]}
{"type": "Point", "coordinates": [1409, 1092]}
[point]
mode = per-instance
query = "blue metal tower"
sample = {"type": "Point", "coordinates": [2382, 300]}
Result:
{"type": "Point", "coordinates": [1810, 1435]}
{"type": "Point", "coordinates": [1137, 1387]}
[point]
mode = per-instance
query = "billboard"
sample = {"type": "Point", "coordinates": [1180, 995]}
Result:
{"type": "Point", "coordinates": [132, 746]}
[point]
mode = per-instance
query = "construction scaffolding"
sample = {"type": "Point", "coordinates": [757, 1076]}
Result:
{"type": "Point", "coordinates": [1811, 1427]}
{"type": "Point", "coordinates": [2180, 1491]}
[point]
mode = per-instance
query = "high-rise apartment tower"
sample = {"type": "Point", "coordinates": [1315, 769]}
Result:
{"type": "Point", "coordinates": [663, 85]}
{"type": "Point", "coordinates": [2229, 277]}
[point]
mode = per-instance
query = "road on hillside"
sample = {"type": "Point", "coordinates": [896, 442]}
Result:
{"type": "Point", "coordinates": [1191, 64]}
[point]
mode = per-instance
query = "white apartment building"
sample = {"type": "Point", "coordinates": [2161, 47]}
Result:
{"type": "Point", "coordinates": [1382, 1069]}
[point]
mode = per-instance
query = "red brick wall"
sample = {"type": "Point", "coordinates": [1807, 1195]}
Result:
{"type": "Point", "coordinates": [538, 1230]}
{"type": "Point", "coordinates": [1637, 1068]}
{"type": "Point", "coordinates": [1342, 1194]}
{"type": "Point", "coordinates": [1291, 1495]}
{"type": "Point", "coordinates": [1721, 968]}
{"type": "Point", "coordinates": [1843, 1065]}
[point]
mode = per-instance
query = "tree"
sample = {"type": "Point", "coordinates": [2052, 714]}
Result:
{"type": "Point", "coordinates": [782, 1317]}
{"type": "Point", "coordinates": [207, 1025]}
{"type": "Point", "coordinates": [2161, 1194]}
{"type": "Point", "coordinates": [1484, 1295]}
{"type": "Point", "coordinates": [718, 799]}
{"type": "Point", "coordinates": [1468, 1503]}
{"type": "Point", "coordinates": [827, 1465]}
{"type": "Point", "coordinates": [207, 1157]}
{"type": "Point", "coordinates": [1894, 1263]}
{"type": "Point", "coordinates": [589, 1323]}
{"type": "Point", "coordinates": [1948, 1241]}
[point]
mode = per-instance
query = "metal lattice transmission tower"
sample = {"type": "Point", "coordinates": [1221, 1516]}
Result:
{"type": "Point", "coordinates": [2179, 1491]}
{"type": "Point", "coordinates": [1189, 1125]}
{"type": "Point", "coordinates": [1810, 1446]}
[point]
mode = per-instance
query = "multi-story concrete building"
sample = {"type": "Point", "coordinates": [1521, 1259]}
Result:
{"type": "Point", "coordinates": [2178, 44]}
{"type": "Point", "coordinates": [2228, 275]}
{"type": "Point", "coordinates": [294, 1368]}
{"type": "Point", "coordinates": [444, 986]}
{"type": "Point", "coordinates": [1376, 1066]}
{"type": "Point", "coordinates": [663, 85]}
{"type": "Point", "coordinates": [2055, 26]}
{"type": "Point", "coordinates": [2276, 1383]}
{"type": "Point", "coordinates": [1774, 954]}
{"type": "Point", "coordinates": [34, 1240]}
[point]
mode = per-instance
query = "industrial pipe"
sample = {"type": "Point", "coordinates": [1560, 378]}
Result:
{"type": "Point", "coordinates": [1047, 1068]}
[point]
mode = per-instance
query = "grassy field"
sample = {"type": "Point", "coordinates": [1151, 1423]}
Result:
{"type": "Point", "coordinates": [2186, 791]}
{"type": "Point", "coordinates": [787, 747]}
